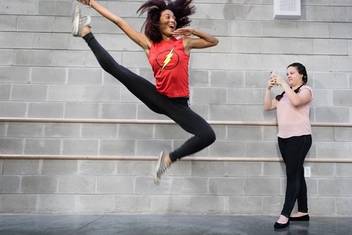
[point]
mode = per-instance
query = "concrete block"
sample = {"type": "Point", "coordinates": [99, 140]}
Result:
{"type": "Point", "coordinates": [80, 147]}
{"type": "Point", "coordinates": [60, 8]}
{"type": "Point", "coordinates": [236, 113]}
{"type": "Point", "coordinates": [167, 132]}
{"type": "Point", "coordinates": [13, 74]}
{"type": "Point", "coordinates": [227, 79]}
{"type": "Point", "coordinates": [46, 110]}
{"type": "Point", "coordinates": [59, 167]}
{"type": "Point", "coordinates": [244, 133]}
{"type": "Point", "coordinates": [17, 203]}
{"type": "Point", "coordinates": [188, 204]}
{"type": "Point", "coordinates": [189, 186]}
{"type": "Point", "coordinates": [48, 75]}
{"type": "Point", "coordinates": [39, 184]}
{"type": "Point", "coordinates": [11, 146]}
{"type": "Point", "coordinates": [132, 203]}
{"type": "Point", "coordinates": [340, 63]}
{"type": "Point", "coordinates": [245, 205]}
{"type": "Point", "coordinates": [42, 146]}
{"type": "Point", "coordinates": [99, 130]}
{"type": "Point", "coordinates": [81, 110]}
{"type": "Point", "coordinates": [56, 203]}
{"type": "Point", "coordinates": [335, 187]}
{"type": "Point", "coordinates": [61, 130]}
{"type": "Point", "coordinates": [331, 114]}
{"type": "Point", "coordinates": [246, 96]}
{"type": "Point", "coordinates": [34, 57]}
{"type": "Point", "coordinates": [322, 169]}
{"type": "Point", "coordinates": [338, 30]}
{"type": "Point", "coordinates": [25, 130]}
{"type": "Point", "coordinates": [152, 147]}
{"type": "Point", "coordinates": [77, 184]}
{"type": "Point", "coordinates": [78, 76]}
{"type": "Point", "coordinates": [13, 109]}
{"type": "Point", "coordinates": [96, 203]}
{"type": "Point", "coordinates": [145, 185]}
{"type": "Point", "coordinates": [262, 186]}
{"type": "Point", "coordinates": [8, 22]}
{"type": "Point", "coordinates": [343, 206]}
{"type": "Point", "coordinates": [342, 98]}
{"type": "Point", "coordinates": [124, 111]}
{"type": "Point", "coordinates": [132, 131]}
{"type": "Point", "coordinates": [226, 186]}
{"type": "Point", "coordinates": [199, 78]}
{"type": "Point", "coordinates": [29, 92]}
{"type": "Point", "coordinates": [118, 147]}
{"type": "Point", "coordinates": [272, 205]}
{"type": "Point", "coordinates": [115, 184]}
{"type": "Point", "coordinates": [319, 205]}
{"type": "Point", "coordinates": [333, 149]}
{"type": "Point", "coordinates": [343, 170]}
{"type": "Point", "coordinates": [269, 133]}
{"type": "Point", "coordinates": [274, 169]}
{"type": "Point", "coordinates": [227, 148]}
{"type": "Point", "coordinates": [181, 168]}
{"type": "Point", "coordinates": [5, 92]}
{"type": "Point", "coordinates": [9, 184]}
{"type": "Point", "coordinates": [323, 134]}
{"type": "Point", "coordinates": [322, 98]}
{"type": "Point", "coordinates": [136, 168]}
{"type": "Point", "coordinates": [262, 149]}
{"type": "Point", "coordinates": [330, 46]}
{"type": "Point", "coordinates": [330, 80]}
{"type": "Point", "coordinates": [209, 95]}
{"type": "Point", "coordinates": [21, 167]}
{"type": "Point", "coordinates": [100, 167]}
{"type": "Point", "coordinates": [7, 57]}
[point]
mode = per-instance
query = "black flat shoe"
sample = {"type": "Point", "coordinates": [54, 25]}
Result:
{"type": "Point", "coordinates": [300, 218]}
{"type": "Point", "coordinates": [281, 226]}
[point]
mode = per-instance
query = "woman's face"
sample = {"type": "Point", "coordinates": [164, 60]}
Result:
{"type": "Point", "coordinates": [294, 78]}
{"type": "Point", "coordinates": [167, 23]}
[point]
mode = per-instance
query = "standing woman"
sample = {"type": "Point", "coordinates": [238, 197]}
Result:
{"type": "Point", "coordinates": [167, 44]}
{"type": "Point", "coordinates": [294, 137]}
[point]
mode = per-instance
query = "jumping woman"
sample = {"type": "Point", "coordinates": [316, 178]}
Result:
{"type": "Point", "coordinates": [167, 44]}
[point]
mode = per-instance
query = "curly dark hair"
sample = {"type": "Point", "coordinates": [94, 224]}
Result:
{"type": "Point", "coordinates": [182, 9]}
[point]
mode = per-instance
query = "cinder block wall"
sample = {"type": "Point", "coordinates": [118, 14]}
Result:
{"type": "Point", "coordinates": [46, 73]}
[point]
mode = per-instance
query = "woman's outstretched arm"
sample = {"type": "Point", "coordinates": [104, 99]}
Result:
{"type": "Point", "coordinates": [138, 37]}
{"type": "Point", "coordinates": [201, 39]}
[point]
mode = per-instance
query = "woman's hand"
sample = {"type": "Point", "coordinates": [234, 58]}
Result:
{"type": "Point", "coordinates": [277, 79]}
{"type": "Point", "coordinates": [86, 2]}
{"type": "Point", "coordinates": [271, 83]}
{"type": "Point", "coordinates": [187, 31]}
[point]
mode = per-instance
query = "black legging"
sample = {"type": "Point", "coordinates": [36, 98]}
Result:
{"type": "Point", "coordinates": [294, 151]}
{"type": "Point", "coordinates": [175, 108]}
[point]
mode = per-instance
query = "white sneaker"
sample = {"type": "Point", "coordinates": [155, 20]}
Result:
{"type": "Point", "coordinates": [160, 168]}
{"type": "Point", "coordinates": [78, 21]}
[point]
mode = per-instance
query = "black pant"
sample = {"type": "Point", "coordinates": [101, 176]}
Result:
{"type": "Point", "coordinates": [175, 108]}
{"type": "Point", "coordinates": [294, 150]}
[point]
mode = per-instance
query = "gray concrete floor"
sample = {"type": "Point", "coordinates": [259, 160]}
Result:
{"type": "Point", "coordinates": [165, 225]}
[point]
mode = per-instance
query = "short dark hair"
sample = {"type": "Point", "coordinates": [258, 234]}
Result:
{"type": "Point", "coordinates": [182, 9]}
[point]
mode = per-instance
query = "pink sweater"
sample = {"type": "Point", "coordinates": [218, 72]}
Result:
{"type": "Point", "coordinates": [293, 121]}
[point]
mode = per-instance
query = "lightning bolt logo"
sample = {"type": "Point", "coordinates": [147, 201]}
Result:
{"type": "Point", "coordinates": [168, 58]}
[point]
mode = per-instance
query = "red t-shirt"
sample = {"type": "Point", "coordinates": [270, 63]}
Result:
{"type": "Point", "coordinates": [170, 66]}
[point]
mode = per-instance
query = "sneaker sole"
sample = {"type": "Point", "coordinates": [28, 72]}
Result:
{"type": "Point", "coordinates": [75, 21]}
{"type": "Point", "coordinates": [156, 178]}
